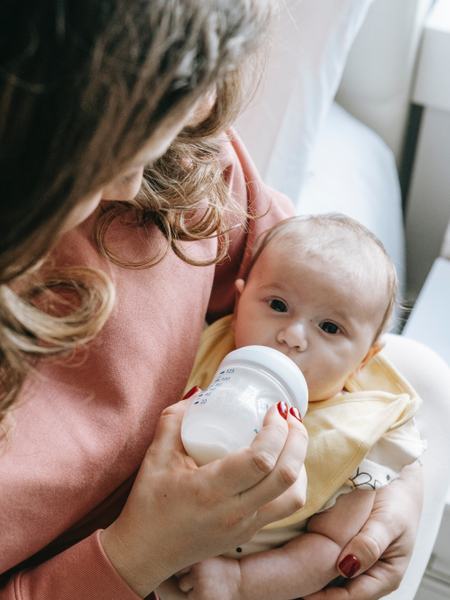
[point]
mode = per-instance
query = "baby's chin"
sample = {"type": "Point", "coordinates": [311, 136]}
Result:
{"type": "Point", "coordinates": [318, 395]}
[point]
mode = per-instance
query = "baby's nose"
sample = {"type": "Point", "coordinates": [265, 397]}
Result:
{"type": "Point", "coordinates": [294, 336]}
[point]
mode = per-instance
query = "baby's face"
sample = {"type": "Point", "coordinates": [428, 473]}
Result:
{"type": "Point", "coordinates": [321, 318]}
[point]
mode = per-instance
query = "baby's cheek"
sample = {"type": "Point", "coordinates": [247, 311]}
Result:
{"type": "Point", "coordinates": [244, 333]}
{"type": "Point", "coordinates": [324, 385]}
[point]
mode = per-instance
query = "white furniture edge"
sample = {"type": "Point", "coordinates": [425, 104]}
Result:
{"type": "Point", "coordinates": [428, 208]}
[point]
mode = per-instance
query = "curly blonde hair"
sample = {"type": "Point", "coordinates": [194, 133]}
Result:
{"type": "Point", "coordinates": [83, 89]}
{"type": "Point", "coordinates": [184, 191]}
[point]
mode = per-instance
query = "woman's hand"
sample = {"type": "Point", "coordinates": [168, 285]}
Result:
{"type": "Point", "coordinates": [178, 514]}
{"type": "Point", "coordinates": [376, 559]}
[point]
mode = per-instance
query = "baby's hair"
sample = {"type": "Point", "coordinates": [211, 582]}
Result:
{"type": "Point", "coordinates": [84, 87]}
{"type": "Point", "coordinates": [339, 239]}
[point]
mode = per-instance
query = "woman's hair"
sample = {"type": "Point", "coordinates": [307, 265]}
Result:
{"type": "Point", "coordinates": [176, 186]}
{"type": "Point", "coordinates": [84, 87]}
{"type": "Point", "coordinates": [342, 241]}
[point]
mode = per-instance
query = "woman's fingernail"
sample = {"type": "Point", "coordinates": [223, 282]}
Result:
{"type": "Point", "coordinates": [349, 565]}
{"type": "Point", "coordinates": [295, 413]}
{"type": "Point", "coordinates": [282, 409]}
{"type": "Point", "coordinates": [191, 392]}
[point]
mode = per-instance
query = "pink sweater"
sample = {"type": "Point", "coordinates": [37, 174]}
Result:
{"type": "Point", "coordinates": [82, 427]}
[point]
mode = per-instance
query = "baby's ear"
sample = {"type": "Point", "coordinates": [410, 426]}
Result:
{"type": "Point", "coordinates": [239, 284]}
{"type": "Point", "coordinates": [376, 347]}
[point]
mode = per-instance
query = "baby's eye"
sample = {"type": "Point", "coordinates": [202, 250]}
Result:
{"type": "Point", "coordinates": [278, 305]}
{"type": "Point", "coordinates": [329, 327]}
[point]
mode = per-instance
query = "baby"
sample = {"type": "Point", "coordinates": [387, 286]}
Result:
{"type": "Point", "coordinates": [321, 289]}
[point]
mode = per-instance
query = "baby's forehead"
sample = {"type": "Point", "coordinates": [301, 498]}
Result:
{"type": "Point", "coordinates": [337, 249]}
{"type": "Point", "coordinates": [361, 270]}
{"type": "Point", "coordinates": [316, 237]}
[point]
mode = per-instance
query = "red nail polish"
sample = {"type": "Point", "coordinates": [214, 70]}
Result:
{"type": "Point", "coordinates": [282, 409]}
{"type": "Point", "coordinates": [191, 392]}
{"type": "Point", "coordinates": [295, 413]}
{"type": "Point", "coordinates": [349, 565]}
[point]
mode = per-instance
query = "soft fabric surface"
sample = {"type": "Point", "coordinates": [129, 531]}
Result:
{"type": "Point", "coordinates": [353, 171]}
{"type": "Point", "coordinates": [309, 50]}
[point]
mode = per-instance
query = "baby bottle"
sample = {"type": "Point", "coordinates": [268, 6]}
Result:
{"type": "Point", "coordinates": [229, 413]}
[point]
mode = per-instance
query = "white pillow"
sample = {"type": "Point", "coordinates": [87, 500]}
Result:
{"type": "Point", "coordinates": [311, 42]}
{"type": "Point", "coordinates": [353, 171]}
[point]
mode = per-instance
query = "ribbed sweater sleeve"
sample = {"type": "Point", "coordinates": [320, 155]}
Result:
{"type": "Point", "coordinates": [83, 572]}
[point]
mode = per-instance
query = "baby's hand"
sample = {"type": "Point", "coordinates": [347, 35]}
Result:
{"type": "Point", "coordinates": [218, 578]}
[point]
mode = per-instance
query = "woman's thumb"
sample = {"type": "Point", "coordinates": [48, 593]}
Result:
{"type": "Point", "coordinates": [364, 549]}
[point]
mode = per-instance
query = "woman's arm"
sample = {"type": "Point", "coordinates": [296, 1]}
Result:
{"type": "Point", "coordinates": [224, 503]}
{"type": "Point", "coordinates": [82, 571]}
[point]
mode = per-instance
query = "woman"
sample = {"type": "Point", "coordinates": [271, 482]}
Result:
{"type": "Point", "coordinates": [90, 94]}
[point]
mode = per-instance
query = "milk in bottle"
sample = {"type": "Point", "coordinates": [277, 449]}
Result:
{"type": "Point", "coordinates": [229, 413]}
